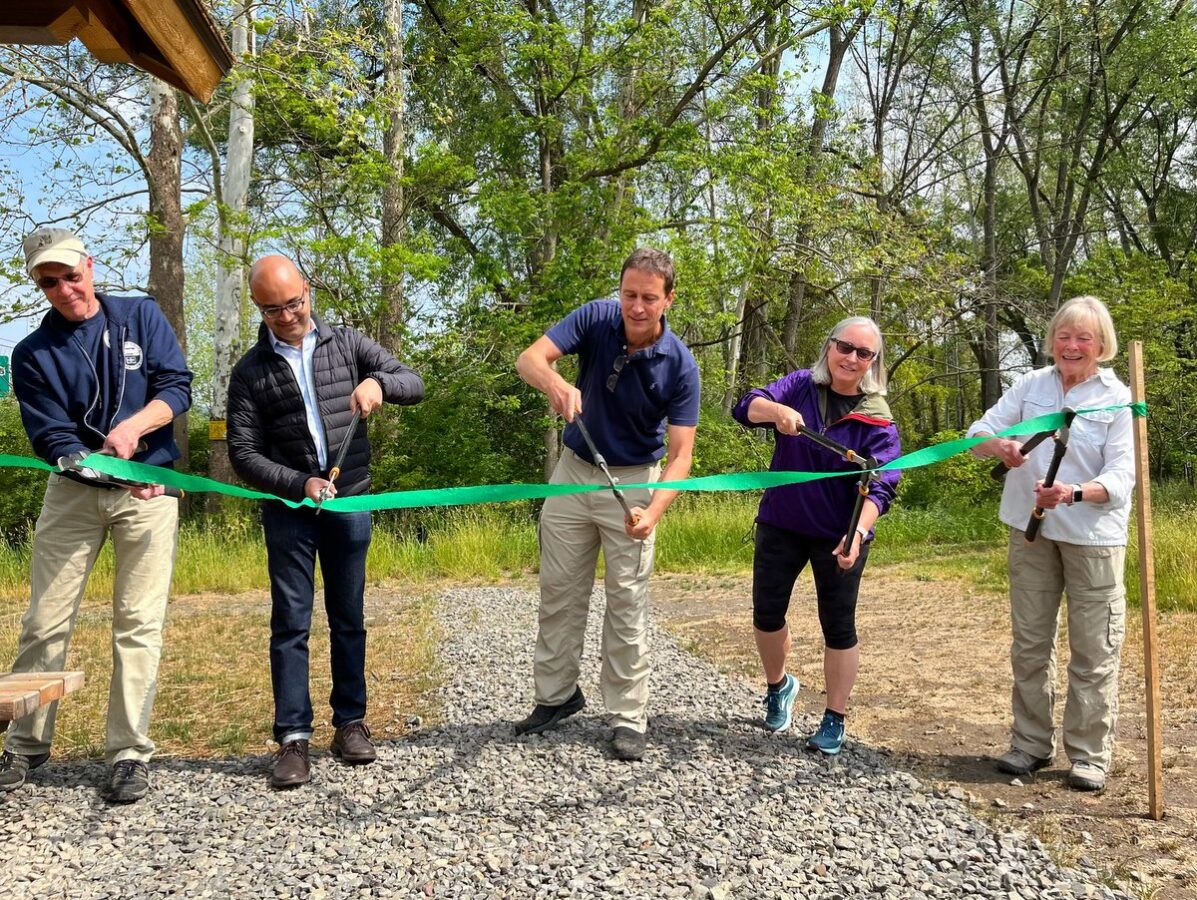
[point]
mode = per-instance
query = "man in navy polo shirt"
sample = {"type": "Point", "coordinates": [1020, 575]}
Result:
{"type": "Point", "coordinates": [637, 382]}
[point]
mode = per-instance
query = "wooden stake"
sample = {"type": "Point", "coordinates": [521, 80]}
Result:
{"type": "Point", "coordinates": [1151, 660]}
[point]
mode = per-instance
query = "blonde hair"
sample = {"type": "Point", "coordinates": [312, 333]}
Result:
{"type": "Point", "coordinates": [1089, 310]}
{"type": "Point", "coordinates": [874, 381]}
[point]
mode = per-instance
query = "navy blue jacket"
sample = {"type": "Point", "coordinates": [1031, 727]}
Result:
{"type": "Point", "coordinates": [59, 391]}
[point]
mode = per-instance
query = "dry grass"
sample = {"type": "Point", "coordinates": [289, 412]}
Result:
{"type": "Point", "coordinates": [214, 693]}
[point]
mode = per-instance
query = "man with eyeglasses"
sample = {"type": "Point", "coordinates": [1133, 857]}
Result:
{"type": "Point", "coordinates": [294, 400]}
{"type": "Point", "coordinates": [637, 392]}
{"type": "Point", "coordinates": [100, 374]}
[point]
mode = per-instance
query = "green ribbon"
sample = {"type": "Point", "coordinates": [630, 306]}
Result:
{"type": "Point", "coordinates": [502, 493]}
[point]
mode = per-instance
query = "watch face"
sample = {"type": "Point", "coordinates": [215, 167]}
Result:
{"type": "Point", "coordinates": [1078, 495]}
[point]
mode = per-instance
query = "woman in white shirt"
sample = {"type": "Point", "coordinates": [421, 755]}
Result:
{"type": "Point", "coordinates": [1080, 549]}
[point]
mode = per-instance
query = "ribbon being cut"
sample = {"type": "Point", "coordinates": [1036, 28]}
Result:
{"type": "Point", "coordinates": [502, 493]}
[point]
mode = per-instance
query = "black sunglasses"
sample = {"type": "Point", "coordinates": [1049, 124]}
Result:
{"type": "Point", "coordinates": [864, 354]}
{"type": "Point", "coordinates": [49, 282]}
{"type": "Point", "coordinates": [617, 366]}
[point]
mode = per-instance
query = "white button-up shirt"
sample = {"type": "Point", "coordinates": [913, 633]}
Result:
{"type": "Point", "coordinates": [300, 360]}
{"type": "Point", "coordinates": [1100, 448]}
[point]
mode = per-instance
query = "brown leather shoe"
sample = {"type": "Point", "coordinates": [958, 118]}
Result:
{"type": "Point", "coordinates": [353, 745]}
{"type": "Point", "coordinates": [291, 765]}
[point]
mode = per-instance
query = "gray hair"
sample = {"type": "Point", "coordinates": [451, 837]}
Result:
{"type": "Point", "coordinates": [1089, 310]}
{"type": "Point", "coordinates": [874, 381]}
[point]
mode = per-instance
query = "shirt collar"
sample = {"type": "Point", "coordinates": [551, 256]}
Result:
{"type": "Point", "coordinates": [1104, 374]}
{"type": "Point", "coordinates": [283, 345]}
{"type": "Point", "coordinates": [659, 346]}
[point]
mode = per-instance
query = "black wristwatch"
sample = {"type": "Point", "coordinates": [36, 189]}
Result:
{"type": "Point", "coordinates": [1077, 494]}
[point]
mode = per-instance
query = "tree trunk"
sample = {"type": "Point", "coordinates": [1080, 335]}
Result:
{"type": "Point", "coordinates": [166, 225]}
{"type": "Point", "coordinates": [393, 311]}
{"type": "Point", "coordinates": [231, 260]}
{"type": "Point", "coordinates": [991, 144]}
{"type": "Point", "coordinates": [629, 105]}
{"type": "Point", "coordinates": [731, 360]}
{"type": "Point", "coordinates": [840, 40]}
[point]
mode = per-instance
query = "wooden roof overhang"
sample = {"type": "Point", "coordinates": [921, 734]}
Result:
{"type": "Point", "coordinates": [176, 40]}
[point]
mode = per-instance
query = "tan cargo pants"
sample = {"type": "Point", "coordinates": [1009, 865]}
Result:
{"type": "Point", "coordinates": [572, 531]}
{"type": "Point", "coordinates": [71, 529]}
{"type": "Point", "coordinates": [1093, 579]}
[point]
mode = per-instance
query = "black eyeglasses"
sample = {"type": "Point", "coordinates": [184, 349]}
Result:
{"type": "Point", "coordinates": [864, 354]}
{"type": "Point", "coordinates": [617, 366]}
{"type": "Point", "coordinates": [49, 282]}
{"type": "Point", "coordinates": [273, 312]}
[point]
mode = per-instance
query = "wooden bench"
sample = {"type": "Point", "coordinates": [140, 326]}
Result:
{"type": "Point", "coordinates": [21, 694]}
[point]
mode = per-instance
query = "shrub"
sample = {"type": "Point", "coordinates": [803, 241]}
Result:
{"type": "Point", "coordinates": [960, 479]}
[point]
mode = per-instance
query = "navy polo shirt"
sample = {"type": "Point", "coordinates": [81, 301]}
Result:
{"type": "Point", "coordinates": [656, 384]}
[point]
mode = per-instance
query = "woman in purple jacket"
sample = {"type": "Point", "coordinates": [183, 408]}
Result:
{"type": "Point", "coordinates": [842, 397]}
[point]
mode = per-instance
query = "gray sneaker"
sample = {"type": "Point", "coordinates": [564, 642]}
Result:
{"type": "Point", "coordinates": [628, 744]}
{"type": "Point", "coordinates": [14, 767]}
{"type": "Point", "coordinates": [1086, 776]}
{"type": "Point", "coordinates": [130, 781]}
{"type": "Point", "coordinates": [1018, 762]}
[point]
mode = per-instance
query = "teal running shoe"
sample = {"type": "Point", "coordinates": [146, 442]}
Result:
{"type": "Point", "coordinates": [829, 739]}
{"type": "Point", "coordinates": [780, 703]}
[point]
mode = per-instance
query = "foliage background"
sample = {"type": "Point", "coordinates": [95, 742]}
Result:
{"type": "Point", "coordinates": [953, 168]}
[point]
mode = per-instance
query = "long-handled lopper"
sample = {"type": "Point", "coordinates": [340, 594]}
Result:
{"type": "Point", "coordinates": [339, 459]}
{"type": "Point", "coordinates": [1049, 479]}
{"type": "Point", "coordinates": [602, 464]}
{"type": "Point", "coordinates": [862, 485]}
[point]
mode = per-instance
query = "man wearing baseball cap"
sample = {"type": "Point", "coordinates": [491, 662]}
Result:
{"type": "Point", "coordinates": [100, 374]}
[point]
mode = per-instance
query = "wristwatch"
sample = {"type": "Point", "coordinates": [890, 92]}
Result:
{"type": "Point", "coordinates": [1077, 494]}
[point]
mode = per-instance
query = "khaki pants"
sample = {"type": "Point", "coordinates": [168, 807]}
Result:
{"type": "Point", "coordinates": [1093, 579]}
{"type": "Point", "coordinates": [572, 530]}
{"type": "Point", "coordinates": [71, 529]}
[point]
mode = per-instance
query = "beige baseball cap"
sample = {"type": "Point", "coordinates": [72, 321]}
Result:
{"type": "Point", "coordinates": [53, 245]}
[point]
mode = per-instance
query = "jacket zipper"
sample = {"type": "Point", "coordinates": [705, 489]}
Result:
{"type": "Point", "coordinates": [120, 397]}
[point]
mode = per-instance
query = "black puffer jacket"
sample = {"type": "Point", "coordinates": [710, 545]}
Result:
{"type": "Point", "coordinates": [270, 445]}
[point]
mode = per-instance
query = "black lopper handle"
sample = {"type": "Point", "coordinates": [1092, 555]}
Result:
{"type": "Point", "coordinates": [862, 491]}
{"type": "Point", "coordinates": [1050, 478]}
{"type": "Point", "coordinates": [998, 472]}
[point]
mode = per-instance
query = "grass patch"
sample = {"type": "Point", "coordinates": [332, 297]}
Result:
{"type": "Point", "coordinates": [707, 535]}
{"type": "Point", "coordinates": [702, 534]}
{"type": "Point", "coordinates": [214, 694]}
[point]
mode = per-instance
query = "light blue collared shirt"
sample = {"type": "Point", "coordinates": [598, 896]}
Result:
{"type": "Point", "coordinates": [300, 361]}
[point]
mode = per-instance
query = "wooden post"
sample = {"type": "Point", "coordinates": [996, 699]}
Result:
{"type": "Point", "coordinates": [1151, 660]}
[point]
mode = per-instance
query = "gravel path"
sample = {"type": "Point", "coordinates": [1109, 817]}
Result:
{"type": "Point", "coordinates": [719, 808]}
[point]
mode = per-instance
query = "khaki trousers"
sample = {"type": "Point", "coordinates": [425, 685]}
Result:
{"type": "Point", "coordinates": [1093, 579]}
{"type": "Point", "coordinates": [572, 530]}
{"type": "Point", "coordinates": [71, 529]}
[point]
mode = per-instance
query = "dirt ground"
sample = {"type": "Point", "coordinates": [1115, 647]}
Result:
{"type": "Point", "coordinates": [934, 692]}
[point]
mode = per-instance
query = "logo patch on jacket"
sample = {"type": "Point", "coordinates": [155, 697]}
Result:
{"type": "Point", "coordinates": [132, 355]}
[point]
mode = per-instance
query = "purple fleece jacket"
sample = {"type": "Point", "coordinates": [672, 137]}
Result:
{"type": "Point", "coordinates": [820, 509]}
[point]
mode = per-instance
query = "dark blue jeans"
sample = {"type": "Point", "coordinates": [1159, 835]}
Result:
{"type": "Point", "coordinates": [294, 538]}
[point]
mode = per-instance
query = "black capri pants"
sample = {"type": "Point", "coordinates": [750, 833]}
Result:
{"type": "Point", "coordinates": [779, 558]}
